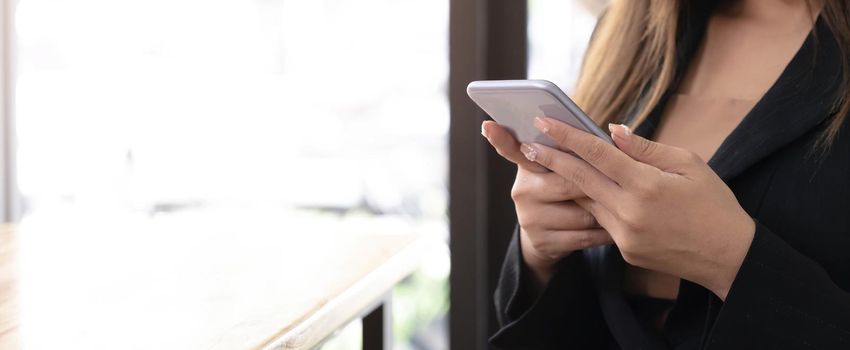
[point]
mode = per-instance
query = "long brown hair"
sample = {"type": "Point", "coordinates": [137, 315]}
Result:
{"type": "Point", "coordinates": [632, 61]}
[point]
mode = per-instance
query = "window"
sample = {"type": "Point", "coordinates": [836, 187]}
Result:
{"type": "Point", "coordinates": [333, 110]}
{"type": "Point", "coordinates": [558, 33]}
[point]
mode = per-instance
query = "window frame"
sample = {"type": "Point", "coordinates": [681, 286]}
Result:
{"type": "Point", "coordinates": [488, 39]}
{"type": "Point", "coordinates": [9, 197]}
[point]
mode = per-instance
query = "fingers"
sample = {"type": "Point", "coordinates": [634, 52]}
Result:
{"type": "Point", "coordinates": [554, 244]}
{"type": "Point", "coordinates": [544, 187]}
{"type": "Point", "coordinates": [661, 156]}
{"type": "Point", "coordinates": [604, 217]}
{"type": "Point", "coordinates": [587, 178]}
{"type": "Point", "coordinates": [603, 156]}
{"type": "Point", "coordinates": [507, 146]}
{"type": "Point", "coordinates": [581, 239]}
{"type": "Point", "coordinates": [556, 216]}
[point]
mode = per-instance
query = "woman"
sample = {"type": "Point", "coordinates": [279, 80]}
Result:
{"type": "Point", "coordinates": [729, 230]}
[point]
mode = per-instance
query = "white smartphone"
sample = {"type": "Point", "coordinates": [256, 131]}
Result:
{"type": "Point", "coordinates": [514, 104]}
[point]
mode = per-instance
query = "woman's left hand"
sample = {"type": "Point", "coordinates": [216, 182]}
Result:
{"type": "Point", "coordinates": [664, 207]}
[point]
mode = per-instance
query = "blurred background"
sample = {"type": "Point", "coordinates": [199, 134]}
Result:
{"type": "Point", "coordinates": [336, 111]}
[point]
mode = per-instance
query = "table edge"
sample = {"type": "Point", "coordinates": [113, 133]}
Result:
{"type": "Point", "coordinates": [355, 301]}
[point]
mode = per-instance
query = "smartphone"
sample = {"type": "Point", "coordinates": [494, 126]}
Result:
{"type": "Point", "coordinates": [514, 104]}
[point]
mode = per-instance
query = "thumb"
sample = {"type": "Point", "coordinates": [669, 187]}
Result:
{"type": "Point", "coordinates": [659, 155]}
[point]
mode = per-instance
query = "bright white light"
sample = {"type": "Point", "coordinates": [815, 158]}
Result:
{"type": "Point", "coordinates": [288, 102]}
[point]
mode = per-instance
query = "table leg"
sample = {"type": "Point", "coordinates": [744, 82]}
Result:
{"type": "Point", "coordinates": [378, 327]}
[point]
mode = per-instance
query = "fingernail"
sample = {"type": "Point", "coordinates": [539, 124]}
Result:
{"type": "Point", "coordinates": [541, 124]}
{"type": "Point", "coordinates": [620, 131]}
{"type": "Point", "coordinates": [484, 132]}
{"type": "Point", "coordinates": [529, 151]}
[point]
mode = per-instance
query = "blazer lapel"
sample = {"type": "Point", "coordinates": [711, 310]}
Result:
{"type": "Point", "coordinates": [798, 101]}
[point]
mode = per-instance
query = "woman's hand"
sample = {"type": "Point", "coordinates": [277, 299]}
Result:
{"type": "Point", "coordinates": [552, 225]}
{"type": "Point", "coordinates": [664, 207]}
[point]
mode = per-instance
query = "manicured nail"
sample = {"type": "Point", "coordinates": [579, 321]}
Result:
{"type": "Point", "coordinates": [626, 129]}
{"type": "Point", "coordinates": [541, 124]}
{"type": "Point", "coordinates": [529, 151]}
{"type": "Point", "coordinates": [484, 132]}
{"type": "Point", "coordinates": [620, 131]}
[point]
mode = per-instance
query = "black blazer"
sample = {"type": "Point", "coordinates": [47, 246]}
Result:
{"type": "Point", "coordinates": [791, 291]}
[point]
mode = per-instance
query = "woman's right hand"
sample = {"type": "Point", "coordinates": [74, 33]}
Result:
{"type": "Point", "coordinates": [552, 222]}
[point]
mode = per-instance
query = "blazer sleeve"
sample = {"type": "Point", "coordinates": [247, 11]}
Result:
{"type": "Point", "coordinates": [781, 299]}
{"type": "Point", "coordinates": [564, 315]}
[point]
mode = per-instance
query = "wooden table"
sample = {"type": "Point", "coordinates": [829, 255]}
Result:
{"type": "Point", "coordinates": [164, 286]}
